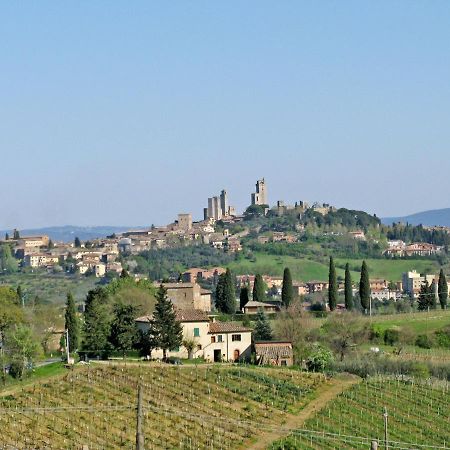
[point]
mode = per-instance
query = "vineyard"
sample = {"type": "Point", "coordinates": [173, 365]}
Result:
{"type": "Point", "coordinates": [184, 407]}
{"type": "Point", "coordinates": [418, 418]}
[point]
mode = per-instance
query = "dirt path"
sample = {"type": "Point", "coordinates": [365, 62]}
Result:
{"type": "Point", "coordinates": [327, 393]}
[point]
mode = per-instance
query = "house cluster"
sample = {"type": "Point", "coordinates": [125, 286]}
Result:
{"type": "Point", "coordinates": [400, 249]}
{"type": "Point", "coordinates": [39, 252]}
{"type": "Point", "coordinates": [214, 340]}
{"type": "Point", "coordinates": [181, 230]}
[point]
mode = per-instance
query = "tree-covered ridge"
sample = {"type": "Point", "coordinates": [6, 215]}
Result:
{"type": "Point", "coordinates": [170, 262]}
{"type": "Point", "coordinates": [411, 233]}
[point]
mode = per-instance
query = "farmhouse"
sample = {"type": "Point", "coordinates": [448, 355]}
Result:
{"type": "Point", "coordinates": [215, 341]}
{"type": "Point", "coordinates": [252, 307]}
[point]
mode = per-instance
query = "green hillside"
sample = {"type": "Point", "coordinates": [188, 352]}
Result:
{"type": "Point", "coordinates": [306, 269]}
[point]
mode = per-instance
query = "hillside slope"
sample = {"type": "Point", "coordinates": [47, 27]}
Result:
{"type": "Point", "coordinates": [200, 407]}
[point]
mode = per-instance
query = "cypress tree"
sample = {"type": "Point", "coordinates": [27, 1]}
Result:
{"type": "Point", "coordinates": [442, 289]}
{"type": "Point", "coordinates": [71, 322]}
{"type": "Point", "coordinates": [348, 290]}
{"type": "Point", "coordinates": [263, 330]}
{"type": "Point", "coordinates": [229, 304]}
{"type": "Point", "coordinates": [433, 295]}
{"type": "Point", "coordinates": [243, 297]}
{"type": "Point", "coordinates": [287, 291]}
{"type": "Point", "coordinates": [220, 293]}
{"type": "Point", "coordinates": [364, 287]}
{"type": "Point", "coordinates": [259, 290]}
{"type": "Point", "coordinates": [77, 242]}
{"type": "Point", "coordinates": [332, 286]}
{"type": "Point", "coordinates": [166, 329]}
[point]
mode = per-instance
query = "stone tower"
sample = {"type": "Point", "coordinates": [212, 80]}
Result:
{"type": "Point", "coordinates": [260, 196]}
{"type": "Point", "coordinates": [224, 203]}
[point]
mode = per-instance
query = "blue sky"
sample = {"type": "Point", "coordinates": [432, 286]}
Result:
{"type": "Point", "coordinates": [126, 113]}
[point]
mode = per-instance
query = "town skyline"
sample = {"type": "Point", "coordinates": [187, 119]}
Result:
{"type": "Point", "coordinates": [336, 104]}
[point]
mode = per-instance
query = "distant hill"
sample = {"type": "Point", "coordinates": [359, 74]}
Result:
{"type": "Point", "coordinates": [68, 233]}
{"type": "Point", "coordinates": [436, 217]}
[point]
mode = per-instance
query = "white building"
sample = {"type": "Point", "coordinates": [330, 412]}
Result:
{"type": "Point", "coordinates": [215, 341]}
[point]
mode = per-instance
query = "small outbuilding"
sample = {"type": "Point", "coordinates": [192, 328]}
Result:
{"type": "Point", "coordinates": [274, 353]}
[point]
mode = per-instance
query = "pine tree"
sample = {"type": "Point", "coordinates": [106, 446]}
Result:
{"type": "Point", "coordinates": [229, 300]}
{"type": "Point", "coordinates": [77, 242]}
{"type": "Point", "coordinates": [263, 330]}
{"type": "Point", "coordinates": [124, 332]}
{"type": "Point", "coordinates": [71, 322]}
{"type": "Point", "coordinates": [259, 290]}
{"type": "Point", "coordinates": [424, 300]}
{"type": "Point", "coordinates": [243, 297]}
{"type": "Point", "coordinates": [332, 286]}
{"type": "Point", "coordinates": [364, 287]}
{"type": "Point", "coordinates": [348, 290]}
{"type": "Point", "coordinates": [167, 330]}
{"type": "Point", "coordinates": [287, 291]}
{"type": "Point", "coordinates": [96, 323]}
{"type": "Point", "coordinates": [442, 289]}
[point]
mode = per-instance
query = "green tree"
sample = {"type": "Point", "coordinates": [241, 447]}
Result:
{"type": "Point", "coordinates": [434, 295]}
{"type": "Point", "coordinates": [16, 234]}
{"type": "Point", "coordinates": [442, 289]}
{"type": "Point", "coordinates": [348, 289]}
{"type": "Point", "coordinates": [364, 287]}
{"type": "Point", "coordinates": [20, 294]}
{"type": "Point", "coordinates": [22, 349]}
{"type": "Point", "coordinates": [77, 242]}
{"type": "Point", "coordinates": [287, 291]}
{"type": "Point", "coordinates": [8, 264]}
{"type": "Point", "coordinates": [124, 274]}
{"type": "Point", "coordinates": [50, 245]}
{"type": "Point", "coordinates": [167, 330]}
{"type": "Point", "coordinates": [263, 330]}
{"type": "Point", "coordinates": [259, 289]}
{"type": "Point", "coordinates": [71, 322]}
{"type": "Point", "coordinates": [229, 294]}
{"type": "Point", "coordinates": [243, 297]}
{"type": "Point", "coordinates": [220, 293]}
{"type": "Point", "coordinates": [425, 299]}
{"type": "Point", "coordinates": [124, 332]}
{"type": "Point", "coordinates": [147, 341]}
{"type": "Point", "coordinates": [332, 286]}
{"type": "Point", "coordinates": [97, 320]}
{"type": "Point", "coordinates": [190, 344]}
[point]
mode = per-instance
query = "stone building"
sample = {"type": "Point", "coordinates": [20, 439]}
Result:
{"type": "Point", "coordinates": [260, 196]}
{"type": "Point", "coordinates": [188, 296]}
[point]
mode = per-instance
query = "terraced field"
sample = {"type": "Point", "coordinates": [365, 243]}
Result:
{"type": "Point", "coordinates": [418, 418]}
{"type": "Point", "coordinates": [204, 407]}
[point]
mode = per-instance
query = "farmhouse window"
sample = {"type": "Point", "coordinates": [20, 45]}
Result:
{"type": "Point", "coordinates": [235, 337]}
{"type": "Point", "coordinates": [196, 332]}
{"type": "Point", "coordinates": [219, 338]}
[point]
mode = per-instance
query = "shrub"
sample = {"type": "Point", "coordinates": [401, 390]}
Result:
{"type": "Point", "coordinates": [391, 336]}
{"type": "Point", "coordinates": [424, 341]}
{"type": "Point", "coordinates": [443, 337]}
{"type": "Point", "coordinates": [319, 360]}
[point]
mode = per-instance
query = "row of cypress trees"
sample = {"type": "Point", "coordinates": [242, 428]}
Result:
{"type": "Point", "coordinates": [225, 291]}
{"type": "Point", "coordinates": [426, 300]}
{"type": "Point", "coordinates": [364, 287]}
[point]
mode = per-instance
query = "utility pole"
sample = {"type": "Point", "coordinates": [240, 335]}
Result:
{"type": "Point", "coordinates": [385, 416]}
{"type": "Point", "coordinates": [67, 346]}
{"type": "Point", "coordinates": [139, 421]}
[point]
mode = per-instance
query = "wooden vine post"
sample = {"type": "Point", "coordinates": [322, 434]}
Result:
{"type": "Point", "coordinates": [139, 421]}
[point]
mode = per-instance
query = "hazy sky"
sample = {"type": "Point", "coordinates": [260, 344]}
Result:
{"type": "Point", "coordinates": [126, 113]}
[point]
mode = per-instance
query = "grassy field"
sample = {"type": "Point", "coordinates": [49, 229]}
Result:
{"type": "Point", "coordinates": [417, 416]}
{"type": "Point", "coordinates": [419, 322]}
{"type": "Point", "coordinates": [200, 407]}
{"type": "Point", "coordinates": [49, 287]}
{"type": "Point", "coordinates": [391, 269]}
{"type": "Point", "coordinates": [306, 270]}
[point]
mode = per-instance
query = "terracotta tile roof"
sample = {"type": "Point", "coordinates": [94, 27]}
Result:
{"type": "Point", "coordinates": [182, 315]}
{"type": "Point", "coordinates": [227, 327]}
{"type": "Point", "coordinates": [191, 315]}
{"type": "Point", "coordinates": [268, 351]}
